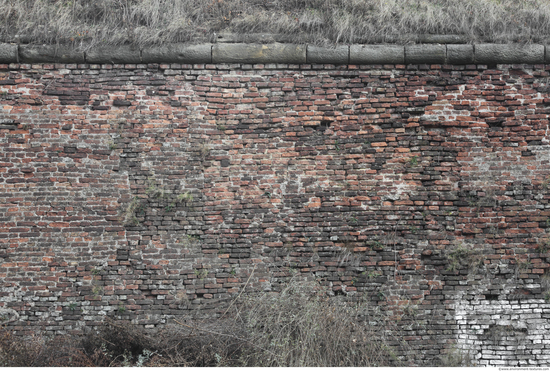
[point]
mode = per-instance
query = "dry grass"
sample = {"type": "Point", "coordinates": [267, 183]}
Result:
{"type": "Point", "coordinates": [323, 22]}
{"type": "Point", "coordinates": [38, 351]}
{"type": "Point", "coordinates": [300, 326]}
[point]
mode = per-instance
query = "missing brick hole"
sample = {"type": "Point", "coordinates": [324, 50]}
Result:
{"type": "Point", "coordinates": [416, 111]}
{"type": "Point", "coordinates": [491, 297]}
{"type": "Point", "coordinates": [495, 122]}
{"type": "Point", "coordinates": [8, 124]}
{"type": "Point", "coordinates": [339, 293]}
{"type": "Point", "coordinates": [324, 125]}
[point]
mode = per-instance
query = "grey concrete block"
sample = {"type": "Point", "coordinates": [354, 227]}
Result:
{"type": "Point", "coordinates": [425, 53]}
{"type": "Point", "coordinates": [376, 54]}
{"type": "Point", "coordinates": [178, 53]}
{"type": "Point", "coordinates": [460, 54]}
{"type": "Point", "coordinates": [258, 53]}
{"type": "Point", "coordinates": [547, 53]}
{"type": "Point", "coordinates": [337, 55]}
{"type": "Point", "coordinates": [122, 54]}
{"type": "Point", "coordinates": [508, 53]}
{"type": "Point", "coordinates": [8, 53]}
{"type": "Point", "coordinates": [49, 54]}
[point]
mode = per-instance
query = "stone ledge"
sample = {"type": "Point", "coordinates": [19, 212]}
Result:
{"type": "Point", "coordinates": [49, 53]}
{"type": "Point", "coordinates": [490, 54]}
{"type": "Point", "coordinates": [9, 53]}
{"type": "Point", "coordinates": [259, 53]}
{"type": "Point", "coordinates": [422, 54]}
{"type": "Point", "coordinates": [460, 54]}
{"type": "Point", "coordinates": [377, 54]}
{"type": "Point", "coordinates": [123, 54]}
{"type": "Point", "coordinates": [337, 55]}
{"type": "Point", "coordinates": [508, 53]}
{"type": "Point", "coordinates": [178, 53]}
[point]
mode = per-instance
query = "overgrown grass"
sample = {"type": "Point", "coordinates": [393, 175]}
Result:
{"type": "Point", "coordinates": [39, 351]}
{"type": "Point", "coordinates": [151, 22]}
{"type": "Point", "coordinates": [300, 326]}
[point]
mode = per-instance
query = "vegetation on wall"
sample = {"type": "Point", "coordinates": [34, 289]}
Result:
{"type": "Point", "coordinates": [148, 22]}
{"type": "Point", "coordinates": [299, 327]}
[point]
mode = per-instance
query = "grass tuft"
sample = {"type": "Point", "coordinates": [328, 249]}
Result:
{"type": "Point", "coordinates": [86, 23]}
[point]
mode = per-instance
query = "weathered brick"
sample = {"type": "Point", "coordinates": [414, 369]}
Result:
{"type": "Point", "coordinates": [421, 183]}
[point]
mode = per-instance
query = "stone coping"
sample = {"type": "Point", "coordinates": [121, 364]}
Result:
{"type": "Point", "coordinates": [282, 53]}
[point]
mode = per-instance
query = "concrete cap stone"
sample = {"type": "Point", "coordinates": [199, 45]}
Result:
{"type": "Point", "coordinates": [178, 53]}
{"type": "Point", "coordinates": [8, 53]}
{"type": "Point", "coordinates": [337, 55]}
{"type": "Point", "coordinates": [425, 53]}
{"type": "Point", "coordinates": [49, 53]}
{"type": "Point", "coordinates": [259, 53]}
{"type": "Point", "coordinates": [508, 53]}
{"type": "Point", "coordinates": [460, 54]}
{"type": "Point", "coordinates": [122, 54]}
{"type": "Point", "coordinates": [376, 54]}
{"type": "Point", "coordinates": [281, 53]}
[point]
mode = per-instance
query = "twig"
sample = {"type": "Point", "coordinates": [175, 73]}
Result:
{"type": "Point", "coordinates": [222, 334]}
{"type": "Point", "coordinates": [244, 287]}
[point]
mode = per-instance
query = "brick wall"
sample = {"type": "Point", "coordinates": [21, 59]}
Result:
{"type": "Point", "coordinates": [150, 191]}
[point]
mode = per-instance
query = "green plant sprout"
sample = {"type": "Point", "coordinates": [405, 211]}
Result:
{"type": "Point", "coordinates": [376, 245]}
{"type": "Point", "coordinates": [464, 256]}
{"type": "Point", "coordinates": [201, 273]}
{"type": "Point", "coordinates": [372, 274]}
{"type": "Point", "coordinates": [185, 197]}
{"type": "Point", "coordinates": [524, 265]}
{"type": "Point", "coordinates": [95, 271]}
{"type": "Point", "coordinates": [128, 217]}
{"type": "Point", "coordinates": [204, 150]}
{"type": "Point", "coordinates": [543, 246]}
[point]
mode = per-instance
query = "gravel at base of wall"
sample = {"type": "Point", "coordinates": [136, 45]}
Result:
{"type": "Point", "coordinates": [282, 53]}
